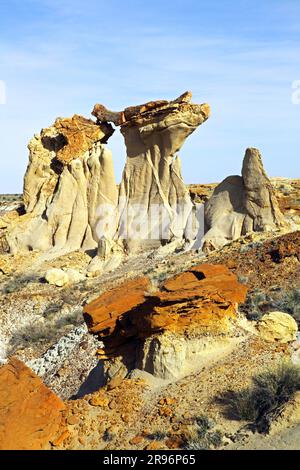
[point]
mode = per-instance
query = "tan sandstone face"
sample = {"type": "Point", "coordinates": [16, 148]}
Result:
{"type": "Point", "coordinates": [241, 205]}
{"type": "Point", "coordinates": [70, 193]}
{"type": "Point", "coordinates": [69, 175]}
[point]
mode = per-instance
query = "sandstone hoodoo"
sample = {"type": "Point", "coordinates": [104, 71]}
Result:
{"type": "Point", "coordinates": [203, 299]}
{"type": "Point", "coordinates": [154, 204]}
{"type": "Point", "coordinates": [30, 413]}
{"type": "Point", "coordinates": [70, 195]}
{"type": "Point", "coordinates": [190, 319]}
{"type": "Point", "coordinates": [71, 200]}
{"type": "Point", "coordinates": [69, 176]}
{"type": "Point", "coordinates": [241, 205]}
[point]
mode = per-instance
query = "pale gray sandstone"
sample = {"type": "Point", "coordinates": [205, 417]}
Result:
{"type": "Point", "coordinates": [71, 199]}
{"type": "Point", "coordinates": [69, 176]}
{"type": "Point", "coordinates": [241, 205]}
{"type": "Point", "coordinates": [155, 206]}
{"type": "Point", "coordinates": [70, 195]}
{"type": "Point", "coordinates": [61, 277]}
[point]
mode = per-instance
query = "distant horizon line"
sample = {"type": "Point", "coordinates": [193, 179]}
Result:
{"type": "Point", "coordinates": [283, 178]}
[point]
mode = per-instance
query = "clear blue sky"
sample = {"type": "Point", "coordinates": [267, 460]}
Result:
{"type": "Point", "coordinates": [60, 57]}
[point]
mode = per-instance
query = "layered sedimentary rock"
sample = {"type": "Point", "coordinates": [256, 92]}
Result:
{"type": "Point", "coordinates": [103, 313]}
{"type": "Point", "coordinates": [154, 204]}
{"type": "Point", "coordinates": [202, 299]}
{"type": "Point", "coordinates": [30, 413]}
{"type": "Point", "coordinates": [170, 356]}
{"type": "Point", "coordinates": [241, 205]}
{"type": "Point", "coordinates": [183, 325]}
{"type": "Point", "coordinates": [70, 177]}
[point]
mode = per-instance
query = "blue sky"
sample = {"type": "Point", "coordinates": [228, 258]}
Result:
{"type": "Point", "coordinates": [60, 57]}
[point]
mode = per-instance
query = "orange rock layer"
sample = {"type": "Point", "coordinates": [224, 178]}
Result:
{"type": "Point", "coordinates": [102, 314]}
{"type": "Point", "coordinates": [78, 135]}
{"type": "Point", "coordinates": [30, 413]}
{"type": "Point", "coordinates": [202, 299]}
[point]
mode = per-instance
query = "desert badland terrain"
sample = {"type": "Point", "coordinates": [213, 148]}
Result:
{"type": "Point", "coordinates": [134, 316]}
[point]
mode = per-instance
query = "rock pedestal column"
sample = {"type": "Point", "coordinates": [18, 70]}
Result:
{"type": "Point", "coordinates": [70, 177]}
{"type": "Point", "coordinates": [154, 204]}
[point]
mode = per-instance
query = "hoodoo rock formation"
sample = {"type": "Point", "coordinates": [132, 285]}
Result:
{"type": "Point", "coordinates": [163, 333]}
{"type": "Point", "coordinates": [70, 195]}
{"type": "Point", "coordinates": [71, 200]}
{"type": "Point", "coordinates": [69, 176]}
{"type": "Point", "coordinates": [154, 204]}
{"type": "Point", "coordinates": [241, 205]}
